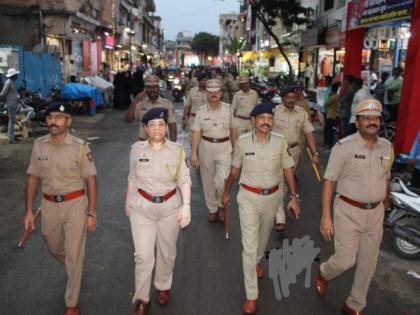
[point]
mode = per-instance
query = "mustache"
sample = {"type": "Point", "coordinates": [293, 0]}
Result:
{"type": "Point", "coordinates": [372, 125]}
{"type": "Point", "coordinates": [265, 125]}
{"type": "Point", "coordinates": [50, 126]}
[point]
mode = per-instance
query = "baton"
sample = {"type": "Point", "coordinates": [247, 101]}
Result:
{"type": "Point", "coordinates": [226, 223]}
{"type": "Point", "coordinates": [314, 167]}
{"type": "Point", "coordinates": [28, 231]}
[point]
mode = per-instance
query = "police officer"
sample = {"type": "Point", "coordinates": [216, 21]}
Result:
{"type": "Point", "coordinates": [360, 167]}
{"type": "Point", "coordinates": [146, 100]}
{"type": "Point", "coordinates": [196, 98]}
{"type": "Point", "coordinates": [233, 85]}
{"type": "Point", "coordinates": [293, 122]}
{"type": "Point", "coordinates": [156, 208]}
{"type": "Point", "coordinates": [261, 160]}
{"type": "Point", "coordinates": [64, 164]}
{"type": "Point", "coordinates": [212, 140]}
{"type": "Point", "coordinates": [243, 103]}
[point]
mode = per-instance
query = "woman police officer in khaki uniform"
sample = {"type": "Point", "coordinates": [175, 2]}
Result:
{"type": "Point", "coordinates": [157, 204]}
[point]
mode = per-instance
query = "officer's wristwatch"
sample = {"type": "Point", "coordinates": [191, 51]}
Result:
{"type": "Point", "coordinates": [295, 195]}
{"type": "Point", "coordinates": [93, 215]}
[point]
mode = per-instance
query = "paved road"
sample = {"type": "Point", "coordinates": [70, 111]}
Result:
{"type": "Point", "coordinates": [208, 273]}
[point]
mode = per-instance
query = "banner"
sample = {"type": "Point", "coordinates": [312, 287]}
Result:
{"type": "Point", "coordinates": [367, 12]}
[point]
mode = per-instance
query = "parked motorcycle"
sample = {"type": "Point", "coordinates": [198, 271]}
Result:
{"type": "Point", "coordinates": [177, 89]}
{"type": "Point", "coordinates": [404, 220]}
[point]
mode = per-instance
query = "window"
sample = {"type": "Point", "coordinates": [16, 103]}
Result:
{"type": "Point", "coordinates": [328, 4]}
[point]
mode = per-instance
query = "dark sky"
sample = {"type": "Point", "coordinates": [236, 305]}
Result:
{"type": "Point", "coordinates": [193, 15]}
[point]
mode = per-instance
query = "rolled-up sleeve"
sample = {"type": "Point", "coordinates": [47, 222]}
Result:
{"type": "Point", "coordinates": [184, 171]}
{"type": "Point", "coordinates": [132, 175]}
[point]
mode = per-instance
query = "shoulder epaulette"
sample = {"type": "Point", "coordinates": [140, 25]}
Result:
{"type": "Point", "coordinates": [245, 135]}
{"type": "Point", "coordinates": [277, 134]}
{"type": "Point", "coordinates": [341, 141]}
{"type": "Point", "coordinates": [41, 138]}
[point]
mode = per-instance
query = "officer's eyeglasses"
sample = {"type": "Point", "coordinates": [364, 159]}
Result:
{"type": "Point", "coordinates": [156, 124]}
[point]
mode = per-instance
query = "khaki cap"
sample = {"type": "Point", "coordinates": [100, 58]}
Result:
{"type": "Point", "coordinates": [152, 80]}
{"type": "Point", "coordinates": [369, 107]}
{"type": "Point", "coordinates": [213, 85]}
{"type": "Point", "coordinates": [243, 79]}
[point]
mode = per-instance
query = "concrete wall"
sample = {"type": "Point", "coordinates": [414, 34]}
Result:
{"type": "Point", "coordinates": [25, 31]}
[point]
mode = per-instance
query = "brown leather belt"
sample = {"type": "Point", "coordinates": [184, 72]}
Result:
{"type": "Point", "coordinates": [364, 206]}
{"type": "Point", "coordinates": [291, 146]}
{"type": "Point", "coordinates": [216, 140]}
{"type": "Point", "coordinates": [261, 191]}
{"type": "Point", "coordinates": [156, 199]}
{"type": "Point", "coordinates": [66, 197]}
{"type": "Point", "coordinates": [193, 114]}
{"type": "Point", "coordinates": [243, 117]}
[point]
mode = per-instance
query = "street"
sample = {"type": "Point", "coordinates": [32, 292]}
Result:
{"type": "Point", "coordinates": [208, 276]}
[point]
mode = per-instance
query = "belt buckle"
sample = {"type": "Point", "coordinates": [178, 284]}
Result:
{"type": "Point", "coordinates": [214, 140]}
{"type": "Point", "coordinates": [59, 198]}
{"type": "Point", "coordinates": [265, 191]}
{"type": "Point", "coordinates": [157, 199]}
{"type": "Point", "coordinates": [368, 206]}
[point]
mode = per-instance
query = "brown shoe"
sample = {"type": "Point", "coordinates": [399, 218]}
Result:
{"type": "Point", "coordinates": [260, 271]}
{"type": "Point", "coordinates": [213, 217]}
{"type": "Point", "coordinates": [141, 308]}
{"type": "Point", "coordinates": [321, 285]}
{"type": "Point", "coordinates": [162, 297]}
{"type": "Point", "coordinates": [280, 227]}
{"type": "Point", "coordinates": [72, 310]}
{"type": "Point", "coordinates": [349, 311]}
{"type": "Point", "coordinates": [221, 214]}
{"type": "Point", "coordinates": [250, 307]}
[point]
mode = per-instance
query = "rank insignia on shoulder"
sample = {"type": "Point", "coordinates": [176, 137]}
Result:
{"type": "Point", "coordinates": [206, 119]}
{"type": "Point", "coordinates": [359, 156]}
{"type": "Point", "coordinates": [90, 156]}
{"type": "Point", "coordinates": [144, 160]}
{"type": "Point", "coordinates": [42, 158]}
{"type": "Point", "coordinates": [249, 153]}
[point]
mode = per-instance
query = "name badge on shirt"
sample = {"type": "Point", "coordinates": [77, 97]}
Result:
{"type": "Point", "coordinates": [206, 119]}
{"type": "Point", "coordinates": [360, 156]}
{"type": "Point", "coordinates": [43, 158]}
{"type": "Point", "coordinates": [249, 153]}
{"type": "Point", "coordinates": [143, 160]}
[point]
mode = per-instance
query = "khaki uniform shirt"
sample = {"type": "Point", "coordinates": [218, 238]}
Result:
{"type": "Point", "coordinates": [214, 123]}
{"type": "Point", "coordinates": [360, 172]}
{"type": "Point", "coordinates": [190, 84]}
{"type": "Point", "coordinates": [61, 167]}
{"type": "Point", "coordinates": [243, 103]}
{"type": "Point", "coordinates": [304, 103]}
{"type": "Point", "coordinates": [195, 99]}
{"type": "Point", "coordinates": [156, 171]}
{"type": "Point", "coordinates": [262, 163]}
{"type": "Point", "coordinates": [146, 104]}
{"type": "Point", "coordinates": [293, 124]}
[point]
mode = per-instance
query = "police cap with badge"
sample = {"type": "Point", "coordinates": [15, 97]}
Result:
{"type": "Point", "coordinates": [369, 107]}
{"type": "Point", "coordinates": [59, 107]}
{"type": "Point", "coordinates": [262, 108]}
{"type": "Point", "coordinates": [288, 89]}
{"type": "Point", "coordinates": [155, 113]}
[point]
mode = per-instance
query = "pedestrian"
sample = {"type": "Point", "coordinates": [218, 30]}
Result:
{"type": "Point", "coordinates": [372, 80]}
{"type": "Point", "coordinates": [361, 93]}
{"type": "Point", "coordinates": [414, 161]}
{"type": "Point", "coordinates": [138, 82]}
{"type": "Point", "coordinates": [308, 73]}
{"type": "Point", "coordinates": [146, 100]}
{"type": "Point", "coordinates": [157, 205]}
{"type": "Point", "coordinates": [301, 100]}
{"type": "Point", "coordinates": [261, 161]}
{"type": "Point", "coordinates": [333, 104]}
{"type": "Point", "coordinates": [64, 166]}
{"type": "Point", "coordinates": [293, 123]}
{"type": "Point", "coordinates": [359, 166]}
{"type": "Point", "coordinates": [73, 72]}
{"type": "Point", "coordinates": [233, 85]}
{"type": "Point", "coordinates": [10, 94]}
{"type": "Point", "coordinates": [345, 103]}
{"type": "Point", "coordinates": [23, 108]}
{"type": "Point", "coordinates": [393, 93]}
{"type": "Point", "coordinates": [243, 103]}
{"type": "Point", "coordinates": [379, 91]}
{"type": "Point", "coordinates": [328, 83]}
{"type": "Point", "coordinates": [213, 137]}
{"type": "Point", "coordinates": [196, 98]}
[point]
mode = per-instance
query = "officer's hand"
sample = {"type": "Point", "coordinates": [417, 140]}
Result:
{"type": "Point", "coordinates": [326, 228]}
{"type": "Point", "coordinates": [184, 216]}
{"type": "Point", "coordinates": [226, 199]}
{"type": "Point", "coordinates": [28, 221]}
{"type": "Point", "coordinates": [194, 161]}
{"type": "Point", "coordinates": [293, 208]}
{"type": "Point", "coordinates": [90, 224]}
{"type": "Point", "coordinates": [315, 159]}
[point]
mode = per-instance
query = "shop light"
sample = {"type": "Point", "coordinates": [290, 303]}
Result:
{"type": "Point", "coordinates": [119, 46]}
{"type": "Point", "coordinates": [127, 29]}
{"type": "Point", "coordinates": [106, 33]}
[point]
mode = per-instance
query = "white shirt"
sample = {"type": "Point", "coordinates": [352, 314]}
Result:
{"type": "Point", "coordinates": [361, 95]}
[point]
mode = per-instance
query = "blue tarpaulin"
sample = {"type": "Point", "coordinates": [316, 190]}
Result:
{"type": "Point", "coordinates": [78, 91]}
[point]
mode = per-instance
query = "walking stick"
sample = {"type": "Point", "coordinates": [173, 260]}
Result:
{"type": "Point", "coordinates": [314, 167]}
{"type": "Point", "coordinates": [226, 223]}
{"type": "Point", "coordinates": [28, 231]}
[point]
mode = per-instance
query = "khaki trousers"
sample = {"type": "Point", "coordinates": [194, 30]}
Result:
{"type": "Point", "coordinates": [357, 238]}
{"type": "Point", "coordinates": [154, 226]}
{"type": "Point", "coordinates": [63, 227]}
{"type": "Point", "coordinates": [256, 215]}
{"type": "Point", "coordinates": [215, 162]}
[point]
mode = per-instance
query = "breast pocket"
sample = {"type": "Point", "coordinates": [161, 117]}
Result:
{"type": "Point", "coordinates": [71, 166]}
{"type": "Point", "coordinates": [360, 167]}
{"type": "Point", "coordinates": [143, 167]}
{"type": "Point", "coordinates": [276, 163]}
{"type": "Point", "coordinates": [250, 163]}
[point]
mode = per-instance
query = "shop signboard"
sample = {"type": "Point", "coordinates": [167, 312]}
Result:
{"type": "Point", "coordinates": [369, 12]}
